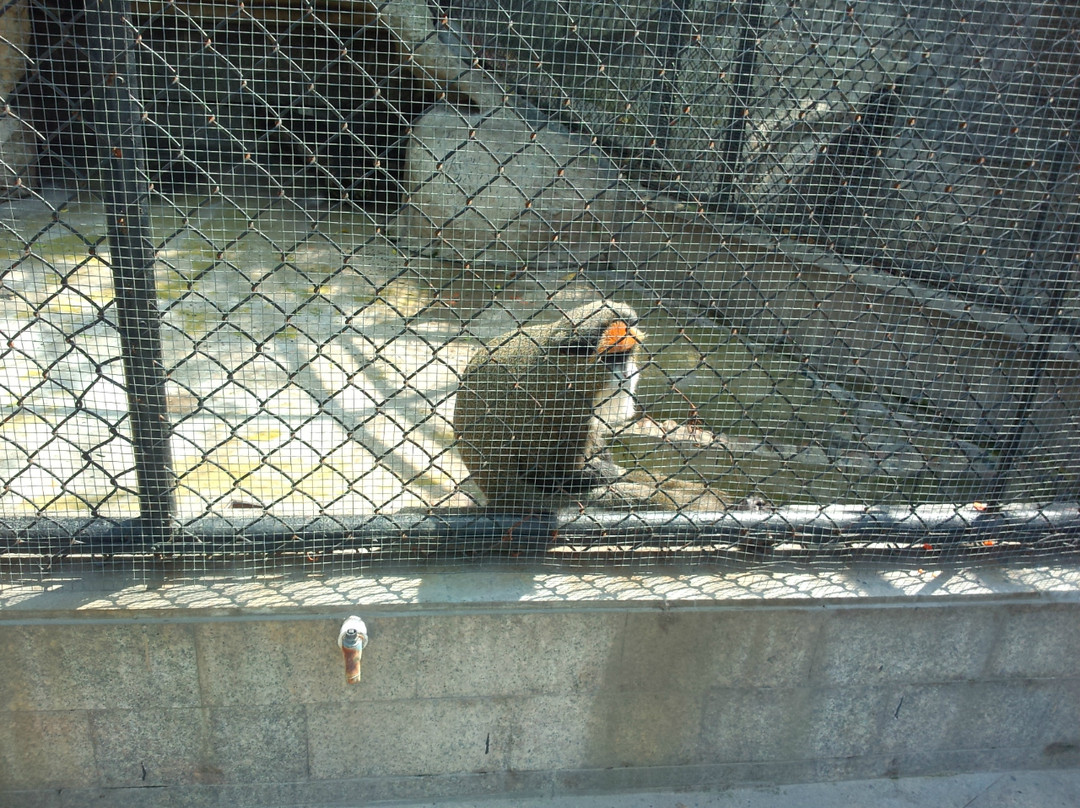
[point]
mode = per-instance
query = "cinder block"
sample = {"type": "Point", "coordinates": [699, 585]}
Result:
{"type": "Point", "coordinates": [1018, 714]}
{"type": "Point", "coordinates": [68, 666]}
{"type": "Point", "coordinates": [780, 649]}
{"type": "Point", "coordinates": [416, 737]}
{"type": "Point", "coordinates": [914, 645]}
{"type": "Point", "coordinates": [46, 750]}
{"type": "Point", "coordinates": [715, 648]}
{"type": "Point", "coordinates": [260, 744]}
{"type": "Point", "coordinates": [298, 662]}
{"type": "Point", "coordinates": [144, 748]}
{"type": "Point", "coordinates": [845, 721]}
{"type": "Point", "coordinates": [756, 724]}
{"type": "Point", "coordinates": [1037, 641]}
{"type": "Point", "coordinates": [882, 719]}
{"type": "Point", "coordinates": [693, 648]}
{"type": "Point", "coordinates": [918, 720]}
{"type": "Point", "coordinates": [513, 654]}
{"type": "Point", "coordinates": [552, 733]}
{"type": "Point", "coordinates": [151, 747]}
{"type": "Point", "coordinates": [606, 729]}
{"type": "Point", "coordinates": [652, 728]}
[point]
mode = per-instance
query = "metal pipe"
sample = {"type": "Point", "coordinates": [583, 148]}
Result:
{"type": "Point", "coordinates": [799, 532]}
{"type": "Point", "coordinates": [352, 638]}
{"type": "Point", "coordinates": [117, 121]}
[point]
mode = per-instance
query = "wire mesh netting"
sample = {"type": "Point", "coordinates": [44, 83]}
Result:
{"type": "Point", "coordinates": [312, 285]}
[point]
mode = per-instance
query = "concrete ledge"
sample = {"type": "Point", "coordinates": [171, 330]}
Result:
{"type": "Point", "coordinates": [1010, 789]}
{"type": "Point", "coordinates": [509, 682]}
{"type": "Point", "coordinates": [223, 592]}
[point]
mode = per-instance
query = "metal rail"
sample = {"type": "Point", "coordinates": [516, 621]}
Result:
{"type": "Point", "coordinates": [117, 121]}
{"type": "Point", "coordinates": [795, 532]}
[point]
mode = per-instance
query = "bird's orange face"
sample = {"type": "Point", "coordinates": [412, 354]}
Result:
{"type": "Point", "coordinates": [619, 338]}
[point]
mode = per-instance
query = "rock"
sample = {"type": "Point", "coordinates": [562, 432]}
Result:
{"type": "Point", "coordinates": [18, 153]}
{"type": "Point", "coordinates": [17, 146]}
{"type": "Point", "coordinates": [496, 188]}
{"type": "Point", "coordinates": [14, 44]}
{"type": "Point", "coordinates": [641, 490]}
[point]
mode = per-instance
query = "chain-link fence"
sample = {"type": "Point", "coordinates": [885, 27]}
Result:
{"type": "Point", "coordinates": [294, 284]}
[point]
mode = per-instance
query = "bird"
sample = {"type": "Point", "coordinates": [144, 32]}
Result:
{"type": "Point", "coordinates": [526, 418]}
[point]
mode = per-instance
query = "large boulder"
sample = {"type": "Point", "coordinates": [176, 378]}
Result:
{"type": "Point", "coordinates": [18, 148]}
{"type": "Point", "coordinates": [508, 188]}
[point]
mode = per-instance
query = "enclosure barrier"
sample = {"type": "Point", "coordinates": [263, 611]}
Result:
{"type": "Point", "coordinates": [131, 250]}
{"type": "Point", "coordinates": [254, 254]}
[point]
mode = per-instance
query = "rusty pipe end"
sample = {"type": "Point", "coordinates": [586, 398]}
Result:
{"type": "Point", "coordinates": [352, 665]}
{"type": "Point", "coordinates": [352, 638]}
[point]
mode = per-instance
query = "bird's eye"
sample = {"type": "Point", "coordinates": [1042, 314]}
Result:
{"type": "Point", "coordinates": [579, 346]}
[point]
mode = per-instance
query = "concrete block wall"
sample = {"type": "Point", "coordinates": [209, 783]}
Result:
{"type": "Point", "coordinates": [222, 692]}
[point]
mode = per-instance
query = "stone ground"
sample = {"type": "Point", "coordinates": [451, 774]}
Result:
{"type": "Point", "coordinates": [312, 367]}
{"type": "Point", "coordinates": [1020, 789]}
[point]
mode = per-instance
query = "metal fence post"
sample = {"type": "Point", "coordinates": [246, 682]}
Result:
{"type": "Point", "coordinates": [742, 90]}
{"type": "Point", "coordinates": [1056, 253]}
{"type": "Point", "coordinates": [674, 29]}
{"type": "Point", "coordinates": [118, 125]}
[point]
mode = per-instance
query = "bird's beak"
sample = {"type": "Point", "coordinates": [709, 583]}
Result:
{"type": "Point", "coordinates": [352, 638]}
